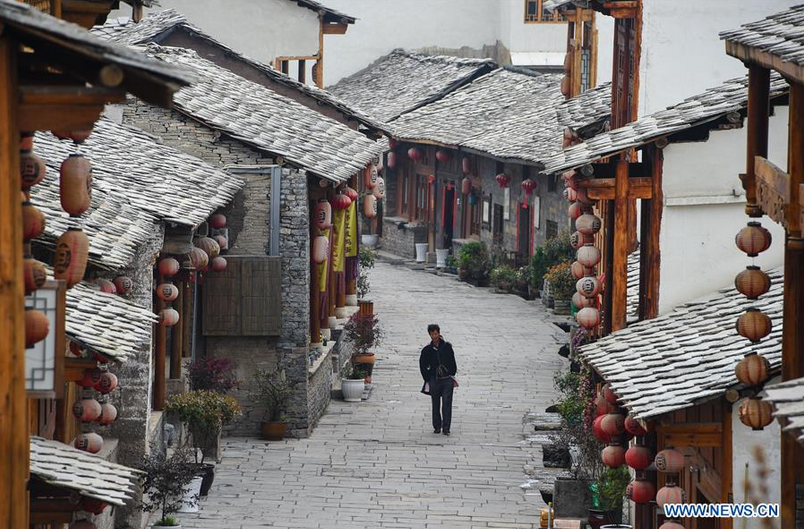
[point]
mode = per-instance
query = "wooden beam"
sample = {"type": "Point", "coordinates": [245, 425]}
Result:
{"type": "Point", "coordinates": [771, 191]}
{"type": "Point", "coordinates": [619, 273]}
{"type": "Point", "coordinates": [757, 134]}
{"type": "Point", "coordinates": [335, 29]}
{"type": "Point", "coordinates": [692, 434]}
{"type": "Point", "coordinates": [177, 335]}
{"type": "Point", "coordinates": [63, 107]}
{"type": "Point", "coordinates": [650, 251]}
{"type": "Point", "coordinates": [603, 188]}
{"type": "Point", "coordinates": [765, 60]}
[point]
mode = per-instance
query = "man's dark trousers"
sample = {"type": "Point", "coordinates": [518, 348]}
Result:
{"type": "Point", "coordinates": [441, 390]}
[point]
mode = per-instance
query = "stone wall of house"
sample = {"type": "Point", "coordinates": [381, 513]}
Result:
{"type": "Point", "coordinates": [399, 237]}
{"type": "Point", "coordinates": [554, 206]}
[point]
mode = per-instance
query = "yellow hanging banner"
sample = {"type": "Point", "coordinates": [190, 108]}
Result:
{"type": "Point", "coordinates": [323, 268]}
{"type": "Point", "coordinates": [338, 240]}
{"type": "Point", "coordinates": [351, 230]}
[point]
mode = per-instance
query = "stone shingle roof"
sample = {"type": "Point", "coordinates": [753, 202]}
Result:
{"type": "Point", "coordinates": [402, 81]}
{"type": "Point", "coordinates": [157, 26]}
{"type": "Point", "coordinates": [329, 13]}
{"type": "Point", "coordinates": [267, 121]}
{"type": "Point", "coordinates": [781, 35]}
{"type": "Point", "coordinates": [788, 400]}
{"type": "Point", "coordinates": [731, 96]}
{"type": "Point", "coordinates": [588, 108]}
{"type": "Point", "coordinates": [509, 114]}
{"type": "Point", "coordinates": [63, 466]}
{"type": "Point", "coordinates": [686, 356]}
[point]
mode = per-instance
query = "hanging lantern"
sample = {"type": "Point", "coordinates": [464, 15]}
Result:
{"type": "Point", "coordinates": [370, 206]}
{"type": "Point", "coordinates": [443, 156]}
{"type": "Point", "coordinates": [588, 286]}
{"type": "Point", "coordinates": [219, 264]}
{"type": "Point", "coordinates": [572, 182]}
{"type": "Point", "coordinates": [567, 175]}
{"type": "Point", "coordinates": [669, 460]}
{"type": "Point", "coordinates": [108, 414]}
{"type": "Point", "coordinates": [351, 193]}
{"type": "Point", "coordinates": [33, 221]}
{"type": "Point", "coordinates": [598, 431]}
{"type": "Point", "coordinates": [639, 457]}
{"type": "Point", "coordinates": [87, 410]}
{"type": "Point", "coordinates": [341, 201]}
{"type": "Point", "coordinates": [752, 282]}
{"type": "Point", "coordinates": [529, 186]}
{"type": "Point", "coordinates": [671, 525]}
{"type": "Point", "coordinates": [754, 325]}
{"type": "Point", "coordinates": [613, 456]}
{"type": "Point", "coordinates": [218, 221]}
{"type": "Point", "coordinates": [106, 383]}
{"type": "Point", "coordinates": [588, 224]}
{"type": "Point", "coordinates": [602, 406]}
{"type": "Point", "coordinates": [669, 494]}
{"type": "Point", "coordinates": [588, 317]}
{"type": "Point", "coordinates": [466, 165]}
{"type": "Point", "coordinates": [169, 267]}
{"type": "Point", "coordinates": [580, 301]}
{"type": "Point", "coordinates": [168, 317]}
{"type": "Point", "coordinates": [588, 256]}
{"type": "Point", "coordinates": [167, 292]}
{"type": "Point", "coordinates": [92, 505]}
{"type": "Point", "coordinates": [583, 193]}
{"type": "Point", "coordinates": [71, 256]}
{"type": "Point", "coordinates": [79, 136]}
{"type": "Point", "coordinates": [613, 424]}
{"type": "Point", "coordinates": [90, 378]}
{"type": "Point", "coordinates": [379, 189]}
{"type": "Point", "coordinates": [570, 194]}
{"type": "Point", "coordinates": [579, 271]}
{"type": "Point", "coordinates": [431, 179]}
{"type": "Point", "coordinates": [106, 286]}
{"type": "Point", "coordinates": [37, 326]}
{"type": "Point", "coordinates": [208, 245]}
{"type": "Point", "coordinates": [575, 210]}
{"type": "Point", "coordinates": [323, 214]}
{"type": "Point", "coordinates": [502, 180]}
{"type": "Point", "coordinates": [393, 143]}
{"type": "Point", "coordinates": [75, 184]}
{"type": "Point", "coordinates": [753, 239]}
{"type": "Point", "coordinates": [756, 413]}
{"type": "Point", "coordinates": [123, 284]}
{"type": "Point", "coordinates": [391, 160]}
{"type": "Point", "coordinates": [198, 259]}
{"type": "Point", "coordinates": [752, 370]}
{"type": "Point", "coordinates": [323, 183]}
{"type": "Point", "coordinates": [608, 394]}
{"type": "Point", "coordinates": [640, 491]}
{"type": "Point", "coordinates": [634, 427]}
{"type": "Point", "coordinates": [89, 442]}
{"type": "Point", "coordinates": [320, 249]}
{"type": "Point", "coordinates": [415, 154]}
{"type": "Point", "coordinates": [32, 169]}
{"type": "Point", "coordinates": [34, 273]}
{"type": "Point", "coordinates": [466, 185]}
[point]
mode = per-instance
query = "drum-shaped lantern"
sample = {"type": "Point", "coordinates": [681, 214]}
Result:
{"type": "Point", "coordinates": [588, 224]}
{"type": "Point", "coordinates": [669, 460]}
{"type": "Point", "coordinates": [351, 193]}
{"type": "Point", "coordinates": [669, 494]}
{"type": "Point", "coordinates": [588, 286]}
{"type": "Point", "coordinates": [634, 427]}
{"type": "Point", "coordinates": [75, 184]}
{"type": "Point", "coordinates": [89, 442]}
{"type": "Point", "coordinates": [37, 326]}
{"type": "Point", "coordinates": [34, 273]}
{"type": "Point", "coordinates": [570, 194]}
{"type": "Point", "coordinates": [167, 291]}
{"type": "Point", "coordinates": [598, 431]}
{"type": "Point", "coordinates": [752, 282]}
{"type": "Point", "coordinates": [640, 491]}
{"type": "Point", "coordinates": [33, 221]}
{"type": "Point", "coordinates": [588, 317]}
{"type": "Point", "coordinates": [466, 166]}
{"type": "Point", "coordinates": [393, 143]}
{"type": "Point", "coordinates": [222, 241]}
{"type": "Point", "coordinates": [198, 259]}
{"type": "Point", "coordinates": [608, 394]}
{"type": "Point", "coordinates": [466, 186]}
{"type": "Point", "coordinates": [580, 301]}
{"type": "Point", "coordinates": [379, 189]}
{"type": "Point", "coordinates": [575, 210]}
{"type": "Point", "coordinates": [602, 406]}
{"type": "Point", "coordinates": [106, 286]}
{"type": "Point", "coordinates": [320, 249]}
{"type": "Point", "coordinates": [341, 201]}
{"type": "Point", "coordinates": [502, 180]}
{"type": "Point", "coordinates": [752, 370]}
{"type": "Point", "coordinates": [443, 156]}
{"type": "Point", "coordinates": [756, 413]}
{"type": "Point", "coordinates": [588, 256]}
{"type": "Point", "coordinates": [754, 325]}
{"type": "Point", "coordinates": [108, 414]}
{"type": "Point", "coordinates": [71, 256]}
{"type": "Point", "coordinates": [580, 271]}
{"type": "Point", "coordinates": [415, 154]}
{"type": "Point", "coordinates": [87, 410]}
{"type": "Point", "coordinates": [218, 221]}
{"type": "Point", "coordinates": [753, 239]}
{"type": "Point", "coordinates": [613, 423]}
{"type": "Point", "coordinates": [32, 169]}
{"type": "Point", "coordinates": [391, 160]}
{"type": "Point", "coordinates": [613, 456]}
{"type": "Point", "coordinates": [638, 457]}
{"type": "Point", "coordinates": [370, 206]}
{"type": "Point", "coordinates": [169, 267]}
{"type": "Point", "coordinates": [92, 505]}
{"type": "Point", "coordinates": [106, 383]}
{"type": "Point", "coordinates": [323, 214]}
{"type": "Point", "coordinates": [168, 317]}
{"type": "Point", "coordinates": [583, 194]}
{"type": "Point", "coordinates": [90, 378]}
{"type": "Point", "coordinates": [208, 245]}
{"type": "Point", "coordinates": [578, 239]}
{"type": "Point", "coordinates": [79, 136]}
{"type": "Point", "coordinates": [123, 284]}
{"type": "Point", "coordinates": [219, 264]}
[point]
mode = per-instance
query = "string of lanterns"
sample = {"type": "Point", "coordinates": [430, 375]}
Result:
{"type": "Point", "coordinates": [90, 409]}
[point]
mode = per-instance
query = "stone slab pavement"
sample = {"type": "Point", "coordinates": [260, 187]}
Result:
{"type": "Point", "coordinates": [377, 464]}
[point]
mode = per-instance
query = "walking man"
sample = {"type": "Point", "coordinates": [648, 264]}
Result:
{"type": "Point", "coordinates": [437, 364]}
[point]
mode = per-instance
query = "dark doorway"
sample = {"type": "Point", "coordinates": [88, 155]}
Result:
{"type": "Point", "coordinates": [448, 214]}
{"type": "Point", "coordinates": [497, 225]}
{"type": "Point", "coordinates": [523, 240]}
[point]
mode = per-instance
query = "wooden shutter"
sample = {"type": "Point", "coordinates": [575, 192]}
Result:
{"type": "Point", "coordinates": [221, 305]}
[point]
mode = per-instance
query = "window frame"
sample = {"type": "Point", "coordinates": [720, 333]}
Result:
{"type": "Point", "coordinates": [541, 17]}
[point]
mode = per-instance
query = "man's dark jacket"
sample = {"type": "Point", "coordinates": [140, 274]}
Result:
{"type": "Point", "coordinates": [429, 360]}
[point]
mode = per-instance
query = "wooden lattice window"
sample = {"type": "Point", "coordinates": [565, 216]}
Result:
{"type": "Point", "coordinates": [535, 13]}
{"type": "Point", "coordinates": [551, 229]}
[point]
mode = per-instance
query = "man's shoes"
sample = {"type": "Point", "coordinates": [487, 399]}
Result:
{"type": "Point", "coordinates": [437, 430]}
{"type": "Point", "coordinates": [446, 432]}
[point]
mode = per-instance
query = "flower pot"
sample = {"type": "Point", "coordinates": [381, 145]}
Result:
{"type": "Point", "coordinates": [189, 503]}
{"type": "Point", "coordinates": [352, 389]}
{"type": "Point", "coordinates": [421, 251]}
{"type": "Point", "coordinates": [166, 526]}
{"type": "Point", "coordinates": [207, 478]}
{"type": "Point", "coordinates": [273, 430]}
{"type": "Point", "coordinates": [561, 307]}
{"type": "Point", "coordinates": [441, 257]}
{"type": "Point", "coordinates": [369, 240]}
{"type": "Point", "coordinates": [364, 358]}
{"type": "Point", "coordinates": [598, 519]}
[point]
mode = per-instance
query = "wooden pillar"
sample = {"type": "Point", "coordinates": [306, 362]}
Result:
{"type": "Point", "coordinates": [188, 291]}
{"type": "Point", "coordinates": [302, 71]}
{"type": "Point", "coordinates": [319, 64]}
{"type": "Point", "coordinates": [315, 298]}
{"type": "Point", "coordinates": [758, 110]}
{"type": "Point", "coordinates": [608, 253]}
{"type": "Point", "coordinates": [159, 360]}
{"type": "Point", "coordinates": [177, 336]}
{"type": "Point", "coordinates": [14, 442]}
{"type": "Point", "coordinates": [619, 271]}
{"type": "Point", "coordinates": [793, 333]}
{"type": "Point", "coordinates": [650, 252]}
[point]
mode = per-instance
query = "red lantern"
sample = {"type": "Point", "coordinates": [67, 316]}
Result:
{"type": "Point", "coordinates": [37, 326]}
{"type": "Point", "coordinates": [323, 214]}
{"type": "Point", "coordinates": [391, 160]}
{"type": "Point", "coordinates": [414, 154]}
{"type": "Point", "coordinates": [106, 286]}
{"type": "Point", "coordinates": [341, 201]}
{"type": "Point", "coordinates": [669, 460]}
{"type": "Point", "coordinates": [32, 169]}
{"type": "Point", "coordinates": [588, 224]}
{"type": "Point", "coordinates": [613, 423]}
{"type": "Point", "coordinates": [598, 431]}
{"type": "Point", "coordinates": [639, 457]}
{"type": "Point", "coordinates": [566, 175]}
{"type": "Point", "coordinates": [106, 383]}
{"type": "Point", "coordinates": [588, 286]}
{"type": "Point", "coordinates": [379, 189]}
{"type": "Point", "coordinates": [602, 406]}
{"type": "Point", "coordinates": [209, 246]}
{"type": "Point", "coordinates": [588, 256]}
{"type": "Point", "coordinates": [529, 186]}
{"type": "Point", "coordinates": [582, 301]}
{"type": "Point", "coordinates": [579, 271]}
{"type": "Point", "coordinates": [320, 249]}
{"type": "Point", "coordinates": [91, 504]}
{"type": "Point", "coordinates": [502, 180]}
{"type": "Point", "coordinates": [123, 284]}
{"type": "Point", "coordinates": [393, 143]}
{"type": "Point", "coordinates": [671, 525]}
{"type": "Point", "coordinates": [752, 370]}
{"type": "Point", "coordinates": [466, 186]}
{"type": "Point", "coordinates": [613, 456]}
{"type": "Point", "coordinates": [198, 259]}
{"type": "Point", "coordinates": [443, 156]}
{"type": "Point", "coordinates": [71, 256]}
{"type": "Point", "coordinates": [753, 239]}
{"type": "Point", "coordinates": [89, 442]}
{"type": "Point", "coordinates": [167, 292]}
{"type": "Point", "coordinates": [752, 282]}
{"type": "Point", "coordinates": [168, 317]}
{"type": "Point", "coordinates": [75, 184]}
{"type": "Point", "coordinates": [222, 241]}
{"type": "Point", "coordinates": [79, 136]}
{"type": "Point", "coordinates": [351, 193]}
{"type": "Point", "coordinates": [640, 491]}
{"type": "Point", "coordinates": [34, 273]}
{"type": "Point", "coordinates": [566, 86]}
{"type": "Point", "coordinates": [583, 194]}
{"type": "Point", "coordinates": [575, 210]}
{"type": "Point", "coordinates": [608, 394]}
{"type": "Point", "coordinates": [87, 410]}
{"type": "Point", "coordinates": [588, 317]}
{"type": "Point", "coordinates": [370, 206]}
{"type": "Point", "coordinates": [108, 414]}
{"type": "Point", "coordinates": [754, 325]}
{"type": "Point", "coordinates": [466, 166]}
{"type": "Point", "coordinates": [634, 427]}
{"type": "Point", "coordinates": [33, 221]}
{"type": "Point", "coordinates": [570, 194]}
{"type": "Point", "coordinates": [756, 413]}
{"type": "Point", "coordinates": [169, 267]}
{"type": "Point", "coordinates": [90, 378]}
{"type": "Point", "coordinates": [218, 221]}
{"type": "Point", "coordinates": [219, 264]}
{"type": "Point", "coordinates": [431, 179]}
{"type": "Point", "coordinates": [669, 494]}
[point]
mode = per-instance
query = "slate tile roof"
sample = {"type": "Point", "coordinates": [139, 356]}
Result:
{"type": "Point", "coordinates": [329, 13]}
{"type": "Point", "coordinates": [63, 466]}
{"type": "Point", "coordinates": [781, 35]}
{"type": "Point", "coordinates": [508, 113]}
{"type": "Point", "coordinates": [731, 96]}
{"type": "Point", "coordinates": [588, 108]}
{"type": "Point", "coordinates": [159, 25]}
{"type": "Point", "coordinates": [267, 121]}
{"type": "Point", "coordinates": [403, 80]}
{"type": "Point", "coordinates": [788, 400]}
{"type": "Point", "coordinates": [686, 356]}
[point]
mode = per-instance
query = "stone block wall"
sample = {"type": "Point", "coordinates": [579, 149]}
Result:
{"type": "Point", "coordinates": [399, 237]}
{"type": "Point", "coordinates": [553, 207]}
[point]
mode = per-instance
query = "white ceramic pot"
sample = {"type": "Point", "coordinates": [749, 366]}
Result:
{"type": "Point", "coordinates": [352, 389]}
{"type": "Point", "coordinates": [351, 300]}
{"type": "Point", "coordinates": [421, 251]}
{"type": "Point", "coordinates": [369, 240]}
{"type": "Point", "coordinates": [341, 313]}
{"type": "Point", "coordinates": [189, 503]}
{"type": "Point", "coordinates": [166, 526]}
{"type": "Point", "coordinates": [441, 257]}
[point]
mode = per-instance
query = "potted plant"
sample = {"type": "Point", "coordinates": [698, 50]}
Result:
{"type": "Point", "coordinates": [213, 374]}
{"type": "Point", "coordinates": [562, 286]}
{"type": "Point", "coordinates": [363, 331]}
{"type": "Point", "coordinates": [353, 383]}
{"type": "Point", "coordinates": [473, 263]}
{"type": "Point", "coordinates": [205, 413]}
{"type": "Point", "coordinates": [452, 265]}
{"type": "Point", "coordinates": [272, 390]}
{"type": "Point", "coordinates": [166, 484]}
{"type": "Point", "coordinates": [608, 494]}
{"type": "Point", "coordinates": [503, 278]}
{"type": "Point", "coordinates": [555, 250]}
{"type": "Point", "coordinates": [366, 260]}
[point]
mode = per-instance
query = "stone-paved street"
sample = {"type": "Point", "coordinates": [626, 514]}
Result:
{"type": "Point", "coordinates": [377, 464]}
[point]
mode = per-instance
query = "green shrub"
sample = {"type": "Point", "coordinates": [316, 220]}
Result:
{"type": "Point", "coordinates": [206, 413]}
{"type": "Point", "coordinates": [474, 258]}
{"type": "Point", "coordinates": [611, 486]}
{"type": "Point", "coordinates": [562, 282]}
{"type": "Point", "coordinates": [503, 277]}
{"type": "Point", "coordinates": [556, 250]}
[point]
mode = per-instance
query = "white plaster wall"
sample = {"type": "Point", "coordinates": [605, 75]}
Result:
{"type": "Point", "coordinates": [518, 36]}
{"type": "Point", "coordinates": [605, 47]}
{"type": "Point", "coordinates": [681, 52]}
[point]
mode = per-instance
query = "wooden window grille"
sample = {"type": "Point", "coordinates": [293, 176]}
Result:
{"type": "Point", "coordinates": [403, 208]}
{"type": "Point", "coordinates": [551, 229]}
{"type": "Point", "coordinates": [476, 218]}
{"type": "Point", "coordinates": [535, 13]}
{"type": "Point", "coordinates": [421, 197]}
